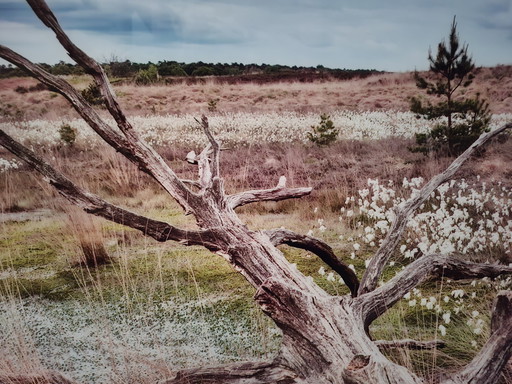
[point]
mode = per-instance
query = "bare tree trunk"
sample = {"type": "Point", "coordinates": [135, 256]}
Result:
{"type": "Point", "coordinates": [325, 338]}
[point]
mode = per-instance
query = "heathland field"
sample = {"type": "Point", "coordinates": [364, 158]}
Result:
{"type": "Point", "coordinates": [103, 304]}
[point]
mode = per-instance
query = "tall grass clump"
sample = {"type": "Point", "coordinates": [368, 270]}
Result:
{"type": "Point", "coordinates": [87, 231]}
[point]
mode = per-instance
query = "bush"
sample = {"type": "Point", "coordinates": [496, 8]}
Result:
{"type": "Point", "coordinates": [325, 133]}
{"type": "Point", "coordinates": [93, 94]}
{"type": "Point", "coordinates": [67, 134]}
{"type": "Point", "coordinates": [21, 89]}
{"type": "Point", "coordinates": [212, 105]}
{"type": "Point", "coordinates": [203, 71]}
{"type": "Point", "coordinates": [147, 76]}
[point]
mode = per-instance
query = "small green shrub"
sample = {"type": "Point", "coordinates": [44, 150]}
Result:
{"type": "Point", "coordinates": [21, 89]}
{"type": "Point", "coordinates": [67, 134]}
{"type": "Point", "coordinates": [212, 105]}
{"type": "Point", "coordinates": [147, 76]}
{"type": "Point", "coordinates": [93, 94]}
{"type": "Point", "coordinates": [324, 133]}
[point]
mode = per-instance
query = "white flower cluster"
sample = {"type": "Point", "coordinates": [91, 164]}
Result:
{"type": "Point", "coordinates": [236, 128]}
{"type": "Point", "coordinates": [458, 217]}
{"type": "Point", "coordinates": [457, 302]}
{"type": "Point", "coordinates": [6, 165]}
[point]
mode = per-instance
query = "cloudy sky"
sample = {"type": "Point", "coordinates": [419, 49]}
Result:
{"type": "Point", "coordinates": [392, 35]}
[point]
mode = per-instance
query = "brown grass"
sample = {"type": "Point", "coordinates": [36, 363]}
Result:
{"type": "Point", "coordinates": [88, 233]}
{"type": "Point", "coordinates": [334, 172]}
{"type": "Point", "coordinates": [377, 92]}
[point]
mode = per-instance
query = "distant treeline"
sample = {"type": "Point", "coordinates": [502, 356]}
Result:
{"type": "Point", "coordinates": [173, 69]}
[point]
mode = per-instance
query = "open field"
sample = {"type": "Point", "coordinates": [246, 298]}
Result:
{"type": "Point", "coordinates": [157, 307]}
{"type": "Point", "coordinates": [380, 92]}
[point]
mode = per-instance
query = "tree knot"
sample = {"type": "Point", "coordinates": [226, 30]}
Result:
{"type": "Point", "coordinates": [358, 362]}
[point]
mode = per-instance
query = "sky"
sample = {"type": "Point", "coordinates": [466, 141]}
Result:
{"type": "Point", "coordinates": [388, 35]}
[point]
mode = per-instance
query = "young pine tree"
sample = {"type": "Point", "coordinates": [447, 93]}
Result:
{"type": "Point", "coordinates": [324, 133]}
{"type": "Point", "coordinates": [459, 121]}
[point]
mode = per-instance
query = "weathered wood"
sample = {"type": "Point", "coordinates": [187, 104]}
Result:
{"type": "Point", "coordinates": [95, 205]}
{"type": "Point", "coordinates": [247, 373]}
{"type": "Point", "coordinates": [426, 268]}
{"type": "Point", "coordinates": [130, 146]}
{"type": "Point", "coordinates": [280, 192]}
{"type": "Point", "coordinates": [319, 248]}
{"type": "Point", "coordinates": [325, 339]}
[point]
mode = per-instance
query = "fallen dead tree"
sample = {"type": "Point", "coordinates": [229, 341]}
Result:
{"type": "Point", "coordinates": [326, 339]}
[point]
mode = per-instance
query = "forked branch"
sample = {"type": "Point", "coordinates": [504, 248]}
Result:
{"type": "Point", "coordinates": [424, 269]}
{"type": "Point", "coordinates": [390, 243]}
{"type": "Point", "coordinates": [45, 14]}
{"type": "Point", "coordinates": [131, 146]}
{"type": "Point", "coordinates": [319, 248]}
{"type": "Point", "coordinates": [93, 204]}
{"type": "Point", "coordinates": [215, 147]}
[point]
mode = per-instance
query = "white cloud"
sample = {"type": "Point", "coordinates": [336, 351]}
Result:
{"type": "Point", "coordinates": [392, 35]}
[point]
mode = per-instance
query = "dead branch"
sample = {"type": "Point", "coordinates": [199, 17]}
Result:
{"type": "Point", "coordinates": [111, 137]}
{"type": "Point", "coordinates": [215, 147]}
{"type": "Point", "coordinates": [487, 365]}
{"type": "Point", "coordinates": [93, 204]}
{"type": "Point", "coordinates": [385, 345]}
{"type": "Point", "coordinates": [133, 147]}
{"type": "Point", "coordinates": [250, 373]}
{"type": "Point", "coordinates": [45, 14]}
{"type": "Point", "coordinates": [280, 192]}
{"type": "Point", "coordinates": [424, 269]}
{"type": "Point", "coordinates": [319, 248]}
{"type": "Point", "coordinates": [390, 243]}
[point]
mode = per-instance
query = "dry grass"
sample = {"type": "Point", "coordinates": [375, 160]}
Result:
{"type": "Point", "coordinates": [88, 233]}
{"type": "Point", "coordinates": [334, 172]}
{"type": "Point", "coordinates": [378, 92]}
